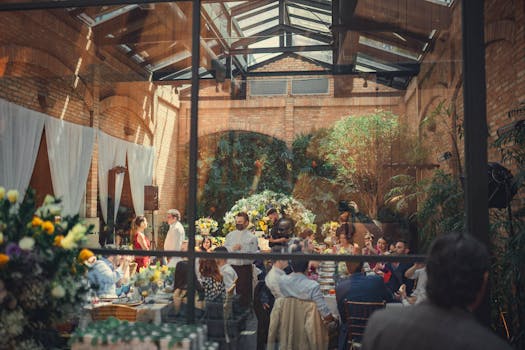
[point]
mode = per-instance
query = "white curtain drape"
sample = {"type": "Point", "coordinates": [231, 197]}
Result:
{"type": "Point", "coordinates": [69, 147]}
{"type": "Point", "coordinates": [20, 134]}
{"type": "Point", "coordinates": [111, 153]}
{"type": "Point", "coordinates": [140, 163]}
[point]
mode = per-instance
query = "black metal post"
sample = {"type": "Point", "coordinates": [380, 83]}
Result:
{"type": "Point", "coordinates": [194, 145]}
{"type": "Point", "coordinates": [476, 131]}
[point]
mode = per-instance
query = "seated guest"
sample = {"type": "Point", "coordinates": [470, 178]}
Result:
{"type": "Point", "coordinates": [229, 276]}
{"type": "Point", "coordinates": [180, 286]}
{"type": "Point", "coordinates": [100, 276]}
{"type": "Point", "coordinates": [457, 268]}
{"type": "Point", "coordinates": [397, 271]}
{"type": "Point", "coordinates": [299, 286]}
{"type": "Point", "coordinates": [211, 280]}
{"type": "Point", "coordinates": [416, 272]}
{"type": "Point", "coordinates": [358, 287]}
{"type": "Point", "coordinates": [206, 245]}
{"type": "Point", "coordinates": [382, 246]}
{"type": "Point", "coordinates": [345, 233]}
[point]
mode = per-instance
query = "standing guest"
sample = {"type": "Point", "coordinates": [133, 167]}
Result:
{"type": "Point", "coordinates": [175, 235]}
{"type": "Point", "coordinates": [229, 276]}
{"type": "Point", "coordinates": [140, 241]}
{"type": "Point", "coordinates": [346, 246]}
{"type": "Point", "coordinates": [282, 233]}
{"type": "Point", "coordinates": [243, 241]}
{"type": "Point", "coordinates": [211, 280]}
{"type": "Point", "coordinates": [275, 273]}
{"type": "Point", "coordinates": [273, 217]}
{"type": "Point", "coordinates": [457, 268]}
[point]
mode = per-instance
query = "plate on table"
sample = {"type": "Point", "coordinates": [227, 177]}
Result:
{"type": "Point", "coordinates": [108, 299]}
{"type": "Point", "coordinates": [128, 302]}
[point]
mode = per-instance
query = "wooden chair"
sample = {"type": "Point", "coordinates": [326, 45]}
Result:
{"type": "Point", "coordinates": [357, 314]}
{"type": "Point", "coordinates": [121, 312]}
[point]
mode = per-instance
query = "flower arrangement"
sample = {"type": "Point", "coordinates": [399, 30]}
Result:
{"type": "Point", "coordinates": [206, 225]}
{"type": "Point", "coordinates": [41, 277]}
{"type": "Point", "coordinates": [257, 205]}
{"type": "Point", "coordinates": [329, 228]}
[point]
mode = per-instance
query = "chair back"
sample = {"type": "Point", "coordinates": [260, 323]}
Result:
{"type": "Point", "coordinates": [121, 312]}
{"type": "Point", "coordinates": [357, 314]}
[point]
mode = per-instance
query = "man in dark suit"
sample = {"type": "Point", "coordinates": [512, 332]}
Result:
{"type": "Point", "coordinates": [397, 277]}
{"type": "Point", "coordinates": [358, 287]}
{"type": "Point", "coordinates": [457, 269]}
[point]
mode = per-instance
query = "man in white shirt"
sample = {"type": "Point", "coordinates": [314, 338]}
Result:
{"type": "Point", "coordinates": [272, 277]}
{"type": "Point", "coordinates": [175, 235]}
{"type": "Point", "coordinates": [243, 241]}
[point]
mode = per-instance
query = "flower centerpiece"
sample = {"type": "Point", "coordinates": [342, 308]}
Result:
{"type": "Point", "coordinates": [258, 204]}
{"type": "Point", "coordinates": [42, 281]}
{"type": "Point", "coordinates": [206, 225]}
{"type": "Point", "coordinates": [150, 279]}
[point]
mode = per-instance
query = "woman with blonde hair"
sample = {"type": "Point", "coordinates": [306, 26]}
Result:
{"type": "Point", "coordinates": [140, 241]}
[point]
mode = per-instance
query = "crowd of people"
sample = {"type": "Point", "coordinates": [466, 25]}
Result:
{"type": "Point", "coordinates": [259, 283]}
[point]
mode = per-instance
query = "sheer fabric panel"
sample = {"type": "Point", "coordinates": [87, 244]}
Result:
{"type": "Point", "coordinates": [70, 148]}
{"type": "Point", "coordinates": [111, 153]}
{"type": "Point", "coordinates": [20, 134]}
{"type": "Point", "coordinates": [140, 163]}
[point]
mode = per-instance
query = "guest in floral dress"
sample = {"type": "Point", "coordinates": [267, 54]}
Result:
{"type": "Point", "coordinates": [140, 241]}
{"type": "Point", "coordinates": [211, 280]}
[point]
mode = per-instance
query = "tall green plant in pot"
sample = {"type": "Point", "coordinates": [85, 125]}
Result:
{"type": "Point", "coordinates": [508, 242]}
{"type": "Point", "coordinates": [358, 147]}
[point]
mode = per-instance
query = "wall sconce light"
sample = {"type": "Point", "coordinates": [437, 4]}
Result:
{"type": "Point", "coordinates": [42, 99]}
{"type": "Point", "coordinates": [445, 156]}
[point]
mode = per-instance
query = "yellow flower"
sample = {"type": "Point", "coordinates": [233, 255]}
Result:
{"type": "Point", "coordinates": [3, 259]}
{"type": "Point", "coordinates": [48, 227]}
{"type": "Point", "coordinates": [164, 268]}
{"type": "Point", "coordinates": [75, 235]}
{"type": "Point", "coordinates": [12, 196]}
{"type": "Point", "coordinates": [36, 221]}
{"type": "Point", "coordinates": [58, 240]}
{"type": "Point", "coordinates": [2, 192]}
{"type": "Point", "coordinates": [156, 276]}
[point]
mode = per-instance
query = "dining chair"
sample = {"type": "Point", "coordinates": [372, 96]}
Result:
{"type": "Point", "coordinates": [357, 314]}
{"type": "Point", "coordinates": [121, 312]}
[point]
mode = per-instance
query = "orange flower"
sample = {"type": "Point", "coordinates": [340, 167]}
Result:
{"type": "Point", "coordinates": [3, 259]}
{"type": "Point", "coordinates": [48, 227]}
{"type": "Point", "coordinates": [36, 221]}
{"type": "Point", "coordinates": [58, 240]}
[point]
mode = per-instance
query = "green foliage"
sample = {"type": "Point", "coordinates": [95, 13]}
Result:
{"type": "Point", "coordinates": [242, 164]}
{"type": "Point", "coordinates": [440, 203]}
{"type": "Point", "coordinates": [306, 160]}
{"type": "Point", "coordinates": [358, 147]}
{"type": "Point", "coordinates": [508, 244]}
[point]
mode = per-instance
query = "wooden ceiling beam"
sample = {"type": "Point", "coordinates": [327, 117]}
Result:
{"type": "Point", "coordinates": [249, 6]}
